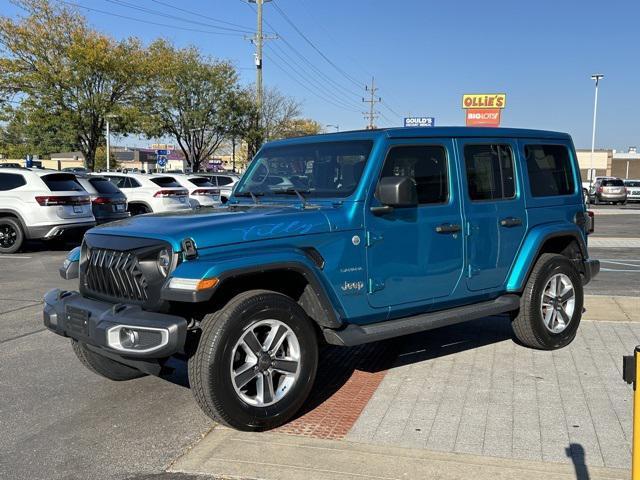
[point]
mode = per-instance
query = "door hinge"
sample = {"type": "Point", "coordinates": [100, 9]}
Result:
{"type": "Point", "coordinates": [373, 238]}
{"type": "Point", "coordinates": [375, 285]}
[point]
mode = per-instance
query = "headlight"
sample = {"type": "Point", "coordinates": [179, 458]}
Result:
{"type": "Point", "coordinates": [164, 262]}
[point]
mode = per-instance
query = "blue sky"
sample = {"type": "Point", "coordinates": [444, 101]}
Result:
{"type": "Point", "coordinates": [424, 55]}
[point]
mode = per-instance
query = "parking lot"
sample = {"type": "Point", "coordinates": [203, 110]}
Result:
{"type": "Point", "coordinates": [467, 389]}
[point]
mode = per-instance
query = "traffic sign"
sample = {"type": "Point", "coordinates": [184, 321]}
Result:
{"type": "Point", "coordinates": [419, 122]}
{"type": "Point", "coordinates": [162, 152]}
{"type": "Point", "coordinates": [161, 160]}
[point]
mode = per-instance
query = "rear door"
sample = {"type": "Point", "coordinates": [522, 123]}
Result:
{"type": "Point", "coordinates": [494, 206]}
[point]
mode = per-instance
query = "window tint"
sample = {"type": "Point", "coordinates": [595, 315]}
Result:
{"type": "Point", "coordinates": [62, 182]}
{"type": "Point", "coordinates": [102, 185]}
{"type": "Point", "coordinates": [224, 180]}
{"type": "Point", "coordinates": [201, 182]}
{"type": "Point", "coordinates": [616, 182]}
{"type": "Point", "coordinates": [490, 172]}
{"type": "Point", "coordinates": [165, 182]}
{"type": "Point", "coordinates": [550, 171]}
{"type": "Point", "coordinates": [9, 181]}
{"type": "Point", "coordinates": [632, 183]}
{"type": "Point", "coordinates": [426, 164]}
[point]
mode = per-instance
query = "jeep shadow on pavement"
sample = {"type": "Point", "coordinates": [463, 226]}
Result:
{"type": "Point", "coordinates": [345, 238]}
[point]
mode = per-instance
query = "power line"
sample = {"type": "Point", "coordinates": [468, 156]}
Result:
{"type": "Point", "coordinates": [327, 59]}
{"type": "Point", "coordinates": [173, 17]}
{"type": "Point", "coordinates": [201, 15]}
{"type": "Point", "coordinates": [318, 86]}
{"type": "Point", "coordinates": [306, 86]}
{"type": "Point", "coordinates": [148, 22]}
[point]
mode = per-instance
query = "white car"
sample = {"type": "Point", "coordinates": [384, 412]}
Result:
{"type": "Point", "coordinates": [633, 190]}
{"type": "Point", "coordinates": [202, 193]}
{"type": "Point", "coordinates": [223, 181]}
{"type": "Point", "coordinates": [150, 193]}
{"type": "Point", "coordinates": [40, 204]}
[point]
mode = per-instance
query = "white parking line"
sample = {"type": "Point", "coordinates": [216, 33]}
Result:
{"type": "Point", "coordinates": [12, 257]}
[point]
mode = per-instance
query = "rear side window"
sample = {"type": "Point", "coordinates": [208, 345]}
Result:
{"type": "Point", "coordinates": [490, 172]}
{"type": "Point", "coordinates": [201, 182]}
{"type": "Point", "coordinates": [550, 171]}
{"type": "Point", "coordinates": [9, 181]}
{"type": "Point", "coordinates": [62, 182]}
{"type": "Point", "coordinates": [165, 182]}
{"type": "Point", "coordinates": [616, 182]}
{"type": "Point", "coordinates": [102, 185]}
{"type": "Point", "coordinates": [426, 164]}
{"type": "Point", "coordinates": [224, 180]}
{"type": "Point", "coordinates": [124, 182]}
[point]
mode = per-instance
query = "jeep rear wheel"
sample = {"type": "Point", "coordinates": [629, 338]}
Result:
{"type": "Point", "coordinates": [256, 361]}
{"type": "Point", "coordinates": [104, 366]}
{"type": "Point", "coordinates": [551, 304]}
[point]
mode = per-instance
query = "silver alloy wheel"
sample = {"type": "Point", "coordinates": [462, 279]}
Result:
{"type": "Point", "coordinates": [265, 363]}
{"type": "Point", "coordinates": [557, 303]}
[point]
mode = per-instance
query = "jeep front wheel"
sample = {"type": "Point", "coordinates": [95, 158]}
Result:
{"type": "Point", "coordinates": [551, 304]}
{"type": "Point", "coordinates": [256, 361]}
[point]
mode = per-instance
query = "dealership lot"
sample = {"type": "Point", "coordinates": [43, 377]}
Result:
{"type": "Point", "coordinates": [464, 389]}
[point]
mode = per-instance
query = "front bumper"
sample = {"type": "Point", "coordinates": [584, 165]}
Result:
{"type": "Point", "coordinates": [94, 322]}
{"type": "Point", "coordinates": [590, 269]}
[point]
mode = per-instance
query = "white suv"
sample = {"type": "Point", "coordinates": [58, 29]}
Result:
{"type": "Point", "coordinates": [150, 193]}
{"type": "Point", "coordinates": [40, 204]}
{"type": "Point", "coordinates": [223, 181]}
{"type": "Point", "coordinates": [202, 193]}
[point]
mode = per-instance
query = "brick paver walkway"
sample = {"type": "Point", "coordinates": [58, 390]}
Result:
{"type": "Point", "coordinates": [470, 388]}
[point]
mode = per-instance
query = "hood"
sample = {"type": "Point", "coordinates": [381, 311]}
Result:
{"type": "Point", "coordinates": [212, 227]}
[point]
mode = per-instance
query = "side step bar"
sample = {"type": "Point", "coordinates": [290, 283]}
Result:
{"type": "Point", "coordinates": [358, 334]}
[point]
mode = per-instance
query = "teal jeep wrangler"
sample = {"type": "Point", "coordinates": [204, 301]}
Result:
{"type": "Point", "coordinates": [344, 239]}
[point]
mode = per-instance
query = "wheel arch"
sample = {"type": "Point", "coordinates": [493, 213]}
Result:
{"type": "Point", "coordinates": [6, 212]}
{"type": "Point", "coordinates": [139, 203]}
{"type": "Point", "coordinates": [567, 242]}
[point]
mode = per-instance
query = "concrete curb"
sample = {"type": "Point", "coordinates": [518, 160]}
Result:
{"type": "Point", "coordinates": [228, 453]}
{"type": "Point", "coordinates": [610, 308]}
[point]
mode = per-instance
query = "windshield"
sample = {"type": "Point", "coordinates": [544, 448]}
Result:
{"type": "Point", "coordinates": [330, 169]}
{"type": "Point", "coordinates": [612, 183]}
{"type": "Point", "coordinates": [62, 182]}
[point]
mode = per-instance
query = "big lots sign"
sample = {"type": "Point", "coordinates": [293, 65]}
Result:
{"type": "Point", "coordinates": [483, 110]}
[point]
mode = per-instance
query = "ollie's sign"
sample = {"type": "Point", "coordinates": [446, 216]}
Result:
{"type": "Point", "coordinates": [483, 110]}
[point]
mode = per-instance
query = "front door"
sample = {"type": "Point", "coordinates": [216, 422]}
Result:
{"type": "Point", "coordinates": [494, 210]}
{"type": "Point", "coordinates": [415, 255]}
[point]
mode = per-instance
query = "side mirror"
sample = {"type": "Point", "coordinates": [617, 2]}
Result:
{"type": "Point", "coordinates": [71, 267]}
{"type": "Point", "coordinates": [395, 192]}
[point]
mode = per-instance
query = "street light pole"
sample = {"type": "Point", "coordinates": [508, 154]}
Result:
{"type": "Point", "coordinates": [595, 77]}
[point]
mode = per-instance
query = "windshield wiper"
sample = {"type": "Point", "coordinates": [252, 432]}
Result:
{"type": "Point", "coordinates": [293, 191]}
{"type": "Point", "coordinates": [249, 193]}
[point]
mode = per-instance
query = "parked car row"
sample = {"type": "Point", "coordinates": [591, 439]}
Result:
{"type": "Point", "coordinates": [49, 204]}
{"type": "Point", "coordinates": [611, 190]}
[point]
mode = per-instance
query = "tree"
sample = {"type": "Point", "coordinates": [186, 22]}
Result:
{"type": "Point", "coordinates": [301, 126]}
{"type": "Point", "coordinates": [71, 75]}
{"type": "Point", "coordinates": [192, 98]}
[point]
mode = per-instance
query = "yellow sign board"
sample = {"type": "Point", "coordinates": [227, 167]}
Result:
{"type": "Point", "coordinates": [484, 100]}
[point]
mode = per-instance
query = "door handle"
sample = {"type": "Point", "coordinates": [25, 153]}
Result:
{"type": "Point", "coordinates": [448, 228]}
{"type": "Point", "coordinates": [510, 222]}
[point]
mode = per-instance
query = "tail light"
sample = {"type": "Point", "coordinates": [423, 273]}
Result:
{"type": "Point", "coordinates": [591, 227]}
{"type": "Point", "coordinates": [599, 189]}
{"type": "Point", "coordinates": [171, 193]}
{"type": "Point", "coordinates": [50, 201]}
{"type": "Point", "coordinates": [206, 191]}
{"type": "Point", "coordinates": [101, 201]}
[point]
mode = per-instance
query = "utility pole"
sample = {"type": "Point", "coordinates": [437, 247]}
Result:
{"type": "Point", "coordinates": [258, 40]}
{"type": "Point", "coordinates": [371, 115]}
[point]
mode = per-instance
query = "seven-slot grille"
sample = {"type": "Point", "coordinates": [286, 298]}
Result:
{"type": "Point", "coordinates": [116, 274]}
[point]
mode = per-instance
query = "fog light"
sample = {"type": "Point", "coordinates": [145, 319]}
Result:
{"type": "Point", "coordinates": [129, 338]}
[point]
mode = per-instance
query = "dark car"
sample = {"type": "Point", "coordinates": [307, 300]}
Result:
{"type": "Point", "coordinates": [107, 201]}
{"type": "Point", "coordinates": [10, 165]}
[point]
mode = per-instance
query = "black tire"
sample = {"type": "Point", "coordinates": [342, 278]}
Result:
{"type": "Point", "coordinates": [529, 326]}
{"type": "Point", "coordinates": [210, 367]}
{"type": "Point", "coordinates": [104, 366]}
{"type": "Point", "coordinates": [11, 235]}
{"type": "Point", "coordinates": [138, 209]}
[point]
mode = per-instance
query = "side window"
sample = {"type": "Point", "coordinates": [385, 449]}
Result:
{"type": "Point", "coordinates": [224, 181]}
{"type": "Point", "coordinates": [117, 181]}
{"type": "Point", "coordinates": [9, 181]}
{"type": "Point", "coordinates": [490, 171]}
{"type": "Point", "coordinates": [550, 171]}
{"type": "Point", "coordinates": [426, 164]}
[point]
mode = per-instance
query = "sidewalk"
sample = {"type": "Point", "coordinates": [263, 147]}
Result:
{"type": "Point", "coordinates": [613, 309]}
{"type": "Point", "coordinates": [226, 453]}
{"type": "Point", "coordinates": [613, 242]}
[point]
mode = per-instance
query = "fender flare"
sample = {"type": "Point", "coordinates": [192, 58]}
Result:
{"type": "Point", "coordinates": [233, 267]}
{"type": "Point", "coordinates": [530, 250]}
